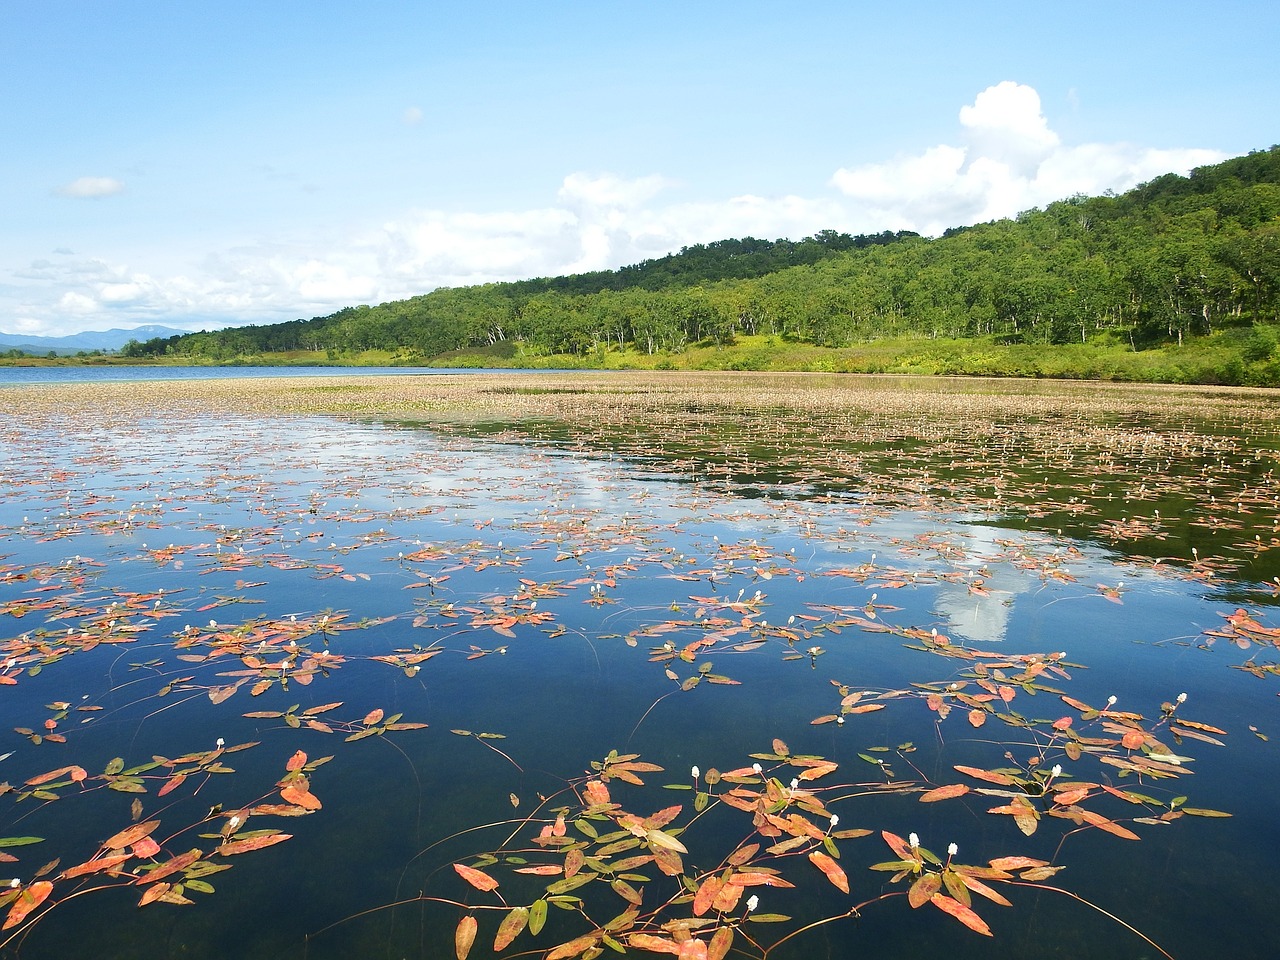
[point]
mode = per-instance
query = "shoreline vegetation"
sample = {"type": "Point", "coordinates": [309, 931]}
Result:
{"type": "Point", "coordinates": [894, 403]}
{"type": "Point", "coordinates": [1175, 281]}
{"type": "Point", "coordinates": [1226, 360]}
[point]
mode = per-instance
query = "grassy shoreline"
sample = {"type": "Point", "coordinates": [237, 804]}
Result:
{"type": "Point", "coordinates": [1220, 360]}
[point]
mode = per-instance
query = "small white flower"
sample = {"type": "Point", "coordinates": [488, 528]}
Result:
{"type": "Point", "coordinates": [213, 624]}
{"type": "Point", "coordinates": [757, 768]}
{"type": "Point", "coordinates": [839, 720]}
{"type": "Point", "coordinates": [752, 902]}
{"type": "Point", "coordinates": [1182, 698]}
{"type": "Point", "coordinates": [695, 772]}
{"type": "Point", "coordinates": [233, 822]}
{"type": "Point", "coordinates": [1111, 702]}
{"type": "Point", "coordinates": [1057, 770]}
{"type": "Point", "coordinates": [15, 883]}
{"type": "Point", "coordinates": [220, 743]}
{"type": "Point", "coordinates": [952, 849]}
{"type": "Point", "coordinates": [835, 819]}
{"type": "Point", "coordinates": [913, 841]}
{"type": "Point", "coordinates": [795, 784]}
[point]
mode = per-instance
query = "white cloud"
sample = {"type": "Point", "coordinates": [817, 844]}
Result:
{"type": "Point", "coordinates": [92, 188]}
{"type": "Point", "coordinates": [412, 116]}
{"type": "Point", "coordinates": [1010, 161]}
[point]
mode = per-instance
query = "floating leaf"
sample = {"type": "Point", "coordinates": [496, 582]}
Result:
{"type": "Point", "coordinates": [944, 793]}
{"type": "Point", "coordinates": [252, 843]}
{"type": "Point", "coordinates": [962, 913]}
{"type": "Point", "coordinates": [923, 889]}
{"type": "Point", "coordinates": [465, 936]}
{"type": "Point", "coordinates": [478, 879]}
{"type": "Point", "coordinates": [833, 871]}
{"type": "Point", "coordinates": [29, 899]}
{"type": "Point", "coordinates": [511, 927]}
{"type": "Point", "coordinates": [130, 835]}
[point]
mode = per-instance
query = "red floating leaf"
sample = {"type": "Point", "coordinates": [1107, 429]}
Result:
{"type": "Point", "coordinates": [478, 879]}
{"type": "Point", "coordinates": [962, 913]}
{"type": "Point", "coordinates": [28, 900]}
{"type": "Point", "coordinates": [833, 871]}
{"type": "Point", "coordinates": [465, 936]}
{"type": "Point", "coordinates": [944, 793]}
{"type": "Point", "coordinates": [131, 835]}
{"type": "Point", "coordinates": [252, 843]}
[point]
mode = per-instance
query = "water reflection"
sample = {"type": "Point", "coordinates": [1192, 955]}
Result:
{"type": "Point", "coordinates": [573, 603]}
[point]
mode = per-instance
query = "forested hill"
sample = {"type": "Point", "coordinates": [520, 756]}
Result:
{"type": "Point", "coordinates": [1178, 260]}
{"type": "Point", "coordinates": [703, 262]}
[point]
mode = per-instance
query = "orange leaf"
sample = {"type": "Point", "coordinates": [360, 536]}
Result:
{"type": "Point", "coordinates": [131, 835]}
{"type": "Point", "coordinates": [146, 847]}
{"type": "Point", "coordinates": [944, 793]}
{"type": "Point", "coordinates": [832, 869]}
{"type": "Point", "coordinates": [298, 795]}
{"type": "Point", "coordinates": [578, 945]}
{"type": "Point", "coordinates": [93, 866]}
{"type": "Point", "coordinates": [28, 900]}
{"type": "Point", "coordinates": [465, 936]}
{"type": "Point", "coordinates": [510, 928]}
{"type": "Point", "coordinates": [923, 890]}
{"type": "Point", "coordinates": [706, 895]}
{"type": "Point", "coordinates": [728, 896]}
{"type": "Point", "coordinates": [153, 893]}
{"type": "Point", "coordinates": [478, 879]}
{"type": "Point", "coordinates": [721, 941]}
{"type": "Point", "coordinates": [962, 913]}
{"type": "Point", "coordinates": [170, 867]}
{"type": "Point", "coordinates": [990, 776]}
{"type": "Point", "coordinates": [645, 941]}
{"type": "Point", "coordinates": [253, 843]}
{"type": "Point", "coordinates": [51, 775]}
{"type": "Point", "coordinates": [171, 784]}
{"type": "Point", "coordinates": [977, 717]}
{"type": "Point", "coordinates": [373, 716]}
{"type": "Point", "coordinates": [297, 762]}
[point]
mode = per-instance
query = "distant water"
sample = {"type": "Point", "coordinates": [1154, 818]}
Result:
{"type": "Point", "coordinates": [108, 374]}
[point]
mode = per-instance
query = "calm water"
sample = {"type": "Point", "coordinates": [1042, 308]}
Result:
{"type": "Point", "coordinates": [47, 375]}
{"type": "Point", "coordinates": [160, 583]}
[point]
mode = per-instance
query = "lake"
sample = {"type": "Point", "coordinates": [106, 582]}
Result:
{"type": "Point", "coordinates": [702, 665]}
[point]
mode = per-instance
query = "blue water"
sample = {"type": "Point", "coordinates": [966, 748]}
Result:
{"type": "Point", "coordinates": [90, 374]}
{"type": "Point", "coordinates": [423, 542]}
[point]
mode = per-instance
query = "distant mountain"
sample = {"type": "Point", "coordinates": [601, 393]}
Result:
{"type": "Point", "coordinates": [88, 340]}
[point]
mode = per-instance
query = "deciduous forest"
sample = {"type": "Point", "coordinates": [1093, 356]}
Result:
{"type": "Point", "coordinates": [1184, 266]}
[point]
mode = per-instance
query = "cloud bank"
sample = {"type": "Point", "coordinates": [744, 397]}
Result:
{"type": "Point", "coordinates": [1007, 159]}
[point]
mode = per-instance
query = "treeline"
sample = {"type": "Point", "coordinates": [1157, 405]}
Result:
{"type": "Point", "coordinates": [1176, 258]}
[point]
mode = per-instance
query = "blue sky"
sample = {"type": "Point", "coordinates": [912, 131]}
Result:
{"type": "Point", "coordinates": [200, 165]}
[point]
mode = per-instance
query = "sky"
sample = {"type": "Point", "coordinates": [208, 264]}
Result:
{"type": "Point", "coordinates": [208, 165]}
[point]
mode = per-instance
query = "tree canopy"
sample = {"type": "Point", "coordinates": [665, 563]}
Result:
{"type": "Point", "coordinates": [1172, 259]}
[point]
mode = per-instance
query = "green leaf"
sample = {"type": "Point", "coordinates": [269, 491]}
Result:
{"type": "Point", "coordinates": [1201, 812]}
{"type": "Point", "coordinates": [19, 841]}
{"type": "Point", "coordinates": [537, 916]}
{"type": "Point", "coordinates": [768, 917]}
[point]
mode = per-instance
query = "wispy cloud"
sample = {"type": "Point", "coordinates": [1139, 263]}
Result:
{"type": "Point", "coordinates": [92, 188]}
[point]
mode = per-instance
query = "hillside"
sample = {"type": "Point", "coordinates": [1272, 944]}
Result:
{"type": "Point", "coordinates": [1184, 263]}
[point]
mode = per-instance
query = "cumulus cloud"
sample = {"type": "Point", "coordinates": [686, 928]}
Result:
{"type": "Point", "coordinates": [1009, 160]}
{"type": "Point", "coordinates": [91, 188]}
